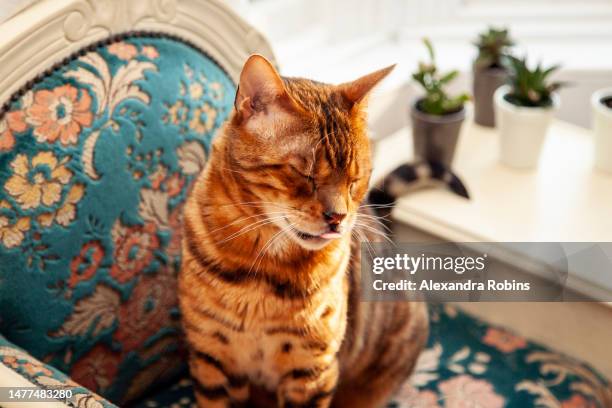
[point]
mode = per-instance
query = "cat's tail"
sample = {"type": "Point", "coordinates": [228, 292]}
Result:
{"type": "Point", "coordinates": [409, 176]}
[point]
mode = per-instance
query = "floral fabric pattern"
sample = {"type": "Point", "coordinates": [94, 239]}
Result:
{"type": "Point", "coordinates": [503, 340]}
{"type": "Point", "coordinates": [58, 113]}
{"type": "Point", "coordinates": [38, 180]}
{"type": "Point", "coordinates": [11, 123]}
{"type": "Point", "coordinates": [96, 160]}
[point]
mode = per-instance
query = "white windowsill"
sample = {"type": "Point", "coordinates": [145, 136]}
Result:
{"type": "Point", "coordinates": [564, 200]}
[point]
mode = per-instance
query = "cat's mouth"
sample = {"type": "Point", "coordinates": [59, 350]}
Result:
{"type": "Point", "coordinates": [309, 237]}
{"type": "Point", "coordinates": [326, 236]}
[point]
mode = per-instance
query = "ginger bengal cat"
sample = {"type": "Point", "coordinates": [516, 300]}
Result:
{"type": "Point", "coordinates": [270, 281]}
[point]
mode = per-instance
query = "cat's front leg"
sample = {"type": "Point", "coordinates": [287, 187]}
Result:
{"type": "Point", "coordinates": [309, 386]}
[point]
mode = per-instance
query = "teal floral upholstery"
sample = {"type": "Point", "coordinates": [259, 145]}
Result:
{"type": "Point", "coordinates": [470, 364]}
{"type": "Point", "coordinates": [96, 159]}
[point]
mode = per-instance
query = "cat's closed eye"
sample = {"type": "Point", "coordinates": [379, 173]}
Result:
{"type": "Point", "coordinates": [308, 176]}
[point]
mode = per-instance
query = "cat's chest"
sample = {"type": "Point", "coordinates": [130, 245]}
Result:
{"type": "Point", "coordinates": [271, 345]}
{"type": "Point", "coordinates": [268, 353]}
{"type": "Point", "coordinates": [258, 355]}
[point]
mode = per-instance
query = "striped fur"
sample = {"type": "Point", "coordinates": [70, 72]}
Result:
{"type": "Point", "coordinates": [270, 300]}
{"type": "Point", "coordinates": [409, 175]}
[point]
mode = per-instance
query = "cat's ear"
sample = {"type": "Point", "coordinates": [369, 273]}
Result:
{"type": "Point", "coordinates": [260, 86]}
{"type": "Point", "coordinates": [358, 89]}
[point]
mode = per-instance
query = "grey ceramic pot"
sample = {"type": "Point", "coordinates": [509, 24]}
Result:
{"type": "Point", "coordinates": [435, 137]}
{"type": "Point", "coordinates": [485, 83]}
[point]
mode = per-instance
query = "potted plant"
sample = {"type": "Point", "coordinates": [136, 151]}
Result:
{"type": "Point", "coordinates": [523, 110]}
{"type": "Point", "coordinates": [601, 102]}
{"type": "Point", "coordinates": [436, 116]}
{"type": "Point", "coordinates": [489, 72]}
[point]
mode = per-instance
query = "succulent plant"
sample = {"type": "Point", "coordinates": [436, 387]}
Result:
{"type": "Point", "coordinates": [530, 87]}
{"type": "Point", "coordinates": [493, 45]}
{"type": "Point", "coordinates": [436, 101]}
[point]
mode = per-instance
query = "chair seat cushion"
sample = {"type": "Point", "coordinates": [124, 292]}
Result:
{"type": "Point", "coordinates": [469, 363]}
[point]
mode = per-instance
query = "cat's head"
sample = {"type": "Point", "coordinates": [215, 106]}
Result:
{"type": "Point", "coordinates": [302, 149]}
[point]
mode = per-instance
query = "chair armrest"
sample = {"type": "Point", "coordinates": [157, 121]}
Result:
{"type": "Point", "coordinates": [19, 369]}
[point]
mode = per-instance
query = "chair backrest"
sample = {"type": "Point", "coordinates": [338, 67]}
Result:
{"type": "Point", "coordinates": [107, 113]}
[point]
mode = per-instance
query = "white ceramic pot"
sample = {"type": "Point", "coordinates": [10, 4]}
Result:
{"type": "Point", "coordinates": [602, 129]}
{"type": "Point", "coordinates": [522, 130]}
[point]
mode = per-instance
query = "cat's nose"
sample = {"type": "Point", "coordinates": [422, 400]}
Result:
{"type": "Point", "coordinates": [333, 218]}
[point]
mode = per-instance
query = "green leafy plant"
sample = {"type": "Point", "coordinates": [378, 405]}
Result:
{"type": "Point", "coordinates": [530, 87]}
{"type": "Point", "coordinates": [493, 45]}
{"type": "Point", "coordinates": [436, 101]}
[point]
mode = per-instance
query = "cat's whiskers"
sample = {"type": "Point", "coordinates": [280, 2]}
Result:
{"type": "Point", "coordinates": [245, 203]}
{"type": "Point", "coordinates": [257, 224]}
{"type": "Point", "coordinates": [232, 170]}
{"type": "Point", "coordinates": [376, 205]}
{"type": "Point", "coordinates": [378, 221]}
{"type": "Point", "coordinates": [251, 227]}
{"type": "Point", "coordinates": [371, 216]}
{"type": "Point", "coordinates": [376, 232]}
{"type": "Point", "coordinates": [363, 239]}
{"type": "Point", "coordinates": [241, 219]}
{"type": "Point", "coordinates": [356, 234]}
{"type": "Point", "coordinates": [367, 225]}
{"type": "Point", "coordinates": [261, 254]}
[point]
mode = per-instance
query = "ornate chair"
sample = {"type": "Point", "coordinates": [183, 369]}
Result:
{"type": "Point", "coordinates": [107, 111]}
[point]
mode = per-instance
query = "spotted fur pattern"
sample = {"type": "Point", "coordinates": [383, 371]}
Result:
{"type": "Point", "coordinates": [270, 281]}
